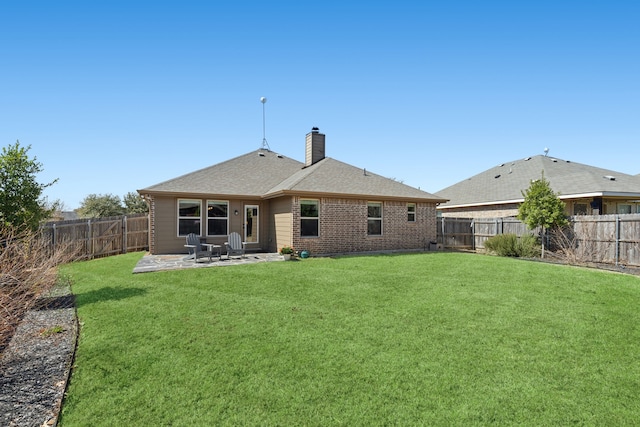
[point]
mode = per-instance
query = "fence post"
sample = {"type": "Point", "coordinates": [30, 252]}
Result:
{"type": "Point", "coordinates": [617, 239]}
{"type": "Point", "coordinates": [124, 234]}
{"type": "Point", "coordinates": [90, 237]}
{"type": "Point", "coordinates": [473, 234]}
{"type": "Point", "coordinates": [53, 237]}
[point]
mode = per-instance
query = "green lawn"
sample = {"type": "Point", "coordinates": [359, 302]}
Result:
{"type": "Point", "coordinates": [419, 339]}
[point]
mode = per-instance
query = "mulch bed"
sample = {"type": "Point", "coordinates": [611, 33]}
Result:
{"type": "Point", "coordinates": [35, 365]}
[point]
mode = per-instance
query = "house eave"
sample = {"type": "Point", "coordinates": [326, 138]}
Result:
{"type": "Point", "coordinates": [478, 204]}
{"type": "Point", "coordinates": [315, 194]}
{"type": "Point", "coordinates": [561, 197]}
{"type": "Point", "coordinates": [190, 195]}
{"type": "Point", "coordinates": [620, 194]}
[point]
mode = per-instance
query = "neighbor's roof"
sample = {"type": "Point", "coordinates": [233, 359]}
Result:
{"type": "Point", "coordinates": [263, 173]}
{"type": "Point", "coordinates": [505, 183]}
{"type": "Point", "coordinates": [330, 176]}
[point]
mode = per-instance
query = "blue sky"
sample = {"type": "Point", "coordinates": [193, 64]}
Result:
{"type": "Point", "coordinates": [114, 96]}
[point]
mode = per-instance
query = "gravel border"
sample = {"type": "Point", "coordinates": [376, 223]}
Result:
{"type": "Point", "coordinates": [36, 364]}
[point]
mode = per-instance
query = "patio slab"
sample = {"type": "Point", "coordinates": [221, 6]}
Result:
{"type": "Point", "coordinates": [150, 263]}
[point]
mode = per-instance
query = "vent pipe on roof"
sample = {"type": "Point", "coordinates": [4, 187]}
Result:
{"type": "Point", "coordinates": [314, 151]}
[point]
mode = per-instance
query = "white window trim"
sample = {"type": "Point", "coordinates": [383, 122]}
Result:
{"type": "Point", "coordinates": [415, 209]}
{"type": "Point", "coordinates": [217, 218]}
{"type": "Point", "coordinates": [381, 218]}
{"type": "Point", "coordinates": [199, 202]}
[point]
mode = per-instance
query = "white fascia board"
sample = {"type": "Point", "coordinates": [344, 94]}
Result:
{"type": "Point", "coordinates": [561, 197]}
{"type": "Point", "coordinates": [469, 205]}
{"type": "Point", "coordinates": [599, 194]}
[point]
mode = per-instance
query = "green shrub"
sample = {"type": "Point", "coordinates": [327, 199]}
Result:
{"type": "Point", "coordinates": [513, 246]}
{"type": "Point", "coordinates": [528, 246]}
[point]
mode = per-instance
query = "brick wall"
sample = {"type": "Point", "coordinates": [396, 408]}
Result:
{"type": "Point", "coordinates": [343, 227]}
{"type": "Point", "coordinates": [490, 211]}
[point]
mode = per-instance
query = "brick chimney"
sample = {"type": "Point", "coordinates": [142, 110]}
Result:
{"type": "Point", "coordinates": [314, 151]}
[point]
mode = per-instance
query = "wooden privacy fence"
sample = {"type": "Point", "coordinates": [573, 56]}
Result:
{"type": "Point", "coordinates": [99, 237]}
{"type": "Point", "coordinates": [470, 233]}
{"type": "Point", "coordinates": [611, 239]}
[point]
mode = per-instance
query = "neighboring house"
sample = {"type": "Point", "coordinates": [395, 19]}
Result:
{"type": "Point", "coordinates": [586, 190]}
{"type": "Point", "coordinates": [323, 206]}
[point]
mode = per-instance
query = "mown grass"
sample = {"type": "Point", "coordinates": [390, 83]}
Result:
{"type": "Point", "coordinates": [419, 339]}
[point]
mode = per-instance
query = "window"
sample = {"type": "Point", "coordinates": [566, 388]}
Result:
{"type": "Point", "coordinates": [411, 212]}
{"type": "Point", "coordinates": [580, 209]}
{"type": "Point", "coordinates": [309, 218]}
{"type": "Point", "coordinates": [189, 217]}
{"type": "Point", "coordinates": [217, 218]}
{"type": "Point", "coordinates": [374, 220]}
{"type": "Point", "coordinates": [624, 208]}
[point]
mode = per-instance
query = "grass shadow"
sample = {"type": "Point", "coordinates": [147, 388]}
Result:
{"type": "Point", "coordinates": [107, 294]}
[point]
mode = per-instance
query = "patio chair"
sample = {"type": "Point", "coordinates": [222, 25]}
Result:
{"type": "Point", "coordinates": [196, 249]}
{"type": "Point", "coordinates": [235, 245]}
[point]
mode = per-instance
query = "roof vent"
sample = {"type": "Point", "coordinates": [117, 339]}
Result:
{"type": "Point", "coordinates": [261, 154]}
{"type": "Point", "coordinates": [609, 177]}
{"type": "Point", "coordinates": [279, 156]}
{"type": "Point", "coordinates": [497, 176]}
{"type": "Point", "coordinates": [527, 159]}
{"type": "Point", "coordinates": [554, 160]}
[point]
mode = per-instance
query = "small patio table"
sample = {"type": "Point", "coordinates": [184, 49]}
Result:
{"type": "Point", "coordinates": [210, 248]}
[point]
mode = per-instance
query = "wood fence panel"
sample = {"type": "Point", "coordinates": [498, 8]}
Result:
{"type": "Point", "coordinates": [455, 232]}
{"type": "Point", "coordinates": [137, 233]}
{"type": "Point", "coordinates": [515, 226]}
{"type": "Point", "coordinates": [485, 228]}
{"type": "Point", "coordinates": [610, 239]}
{"type": "Point", "coordinates": [99, 237]}
{"type": "Point", "coordinates": [630, 240]}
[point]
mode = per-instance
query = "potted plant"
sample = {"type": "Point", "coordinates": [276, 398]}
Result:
{"type": "Point", "coordinates": [286, 252]}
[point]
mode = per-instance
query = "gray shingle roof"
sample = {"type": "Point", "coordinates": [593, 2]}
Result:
{"type": "Point", "coordinates": [507, 181]}
{"type": "Point", "coordinates": [330, 176]}
{"type": "Point", "coordinates": [263, 173]}
{"type": "Point", "coordinates": [251, 174]}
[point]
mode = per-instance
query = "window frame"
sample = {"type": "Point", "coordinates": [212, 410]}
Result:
{"type": "Point", "coordinates": [626, 206]}
{"type": "Point", "coordinates": [217, 218]}
{"type": "Point", "coordinates": [316, 202]}
{"type": "Point", "coordinates": [577, 208]}
{"type": "Point", "coordinates": [377, 219]}
{"type": "Point", "coordinates": [180, 218]}
{"type": "Point", "coordinates": [411, 212]}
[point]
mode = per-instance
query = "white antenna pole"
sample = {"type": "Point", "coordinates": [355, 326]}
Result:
{"type": "Point", "coordinates": [265, 145]}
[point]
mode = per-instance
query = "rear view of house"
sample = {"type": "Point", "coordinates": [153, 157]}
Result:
{"type": "Point", "coordinates": [323, 205]}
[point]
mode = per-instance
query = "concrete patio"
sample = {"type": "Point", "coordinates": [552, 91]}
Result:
{"type": "Point", "coordinates": [150, 263]}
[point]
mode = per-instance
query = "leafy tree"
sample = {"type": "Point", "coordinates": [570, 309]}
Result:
{"type": "Point", "coordinates": [100, 205]}
{"type": "Point", "coordinates": [21, 204]}
{"type": "Point", "coordinates": [134, 203]}
{"type": "Point", "coordinates": [541, 207]}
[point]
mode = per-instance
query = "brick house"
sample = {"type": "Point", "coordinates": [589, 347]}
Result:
{"type": "Point", "coordinates": [585, 190]}
{"type": "Point", "coordinates": [322, 205]}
